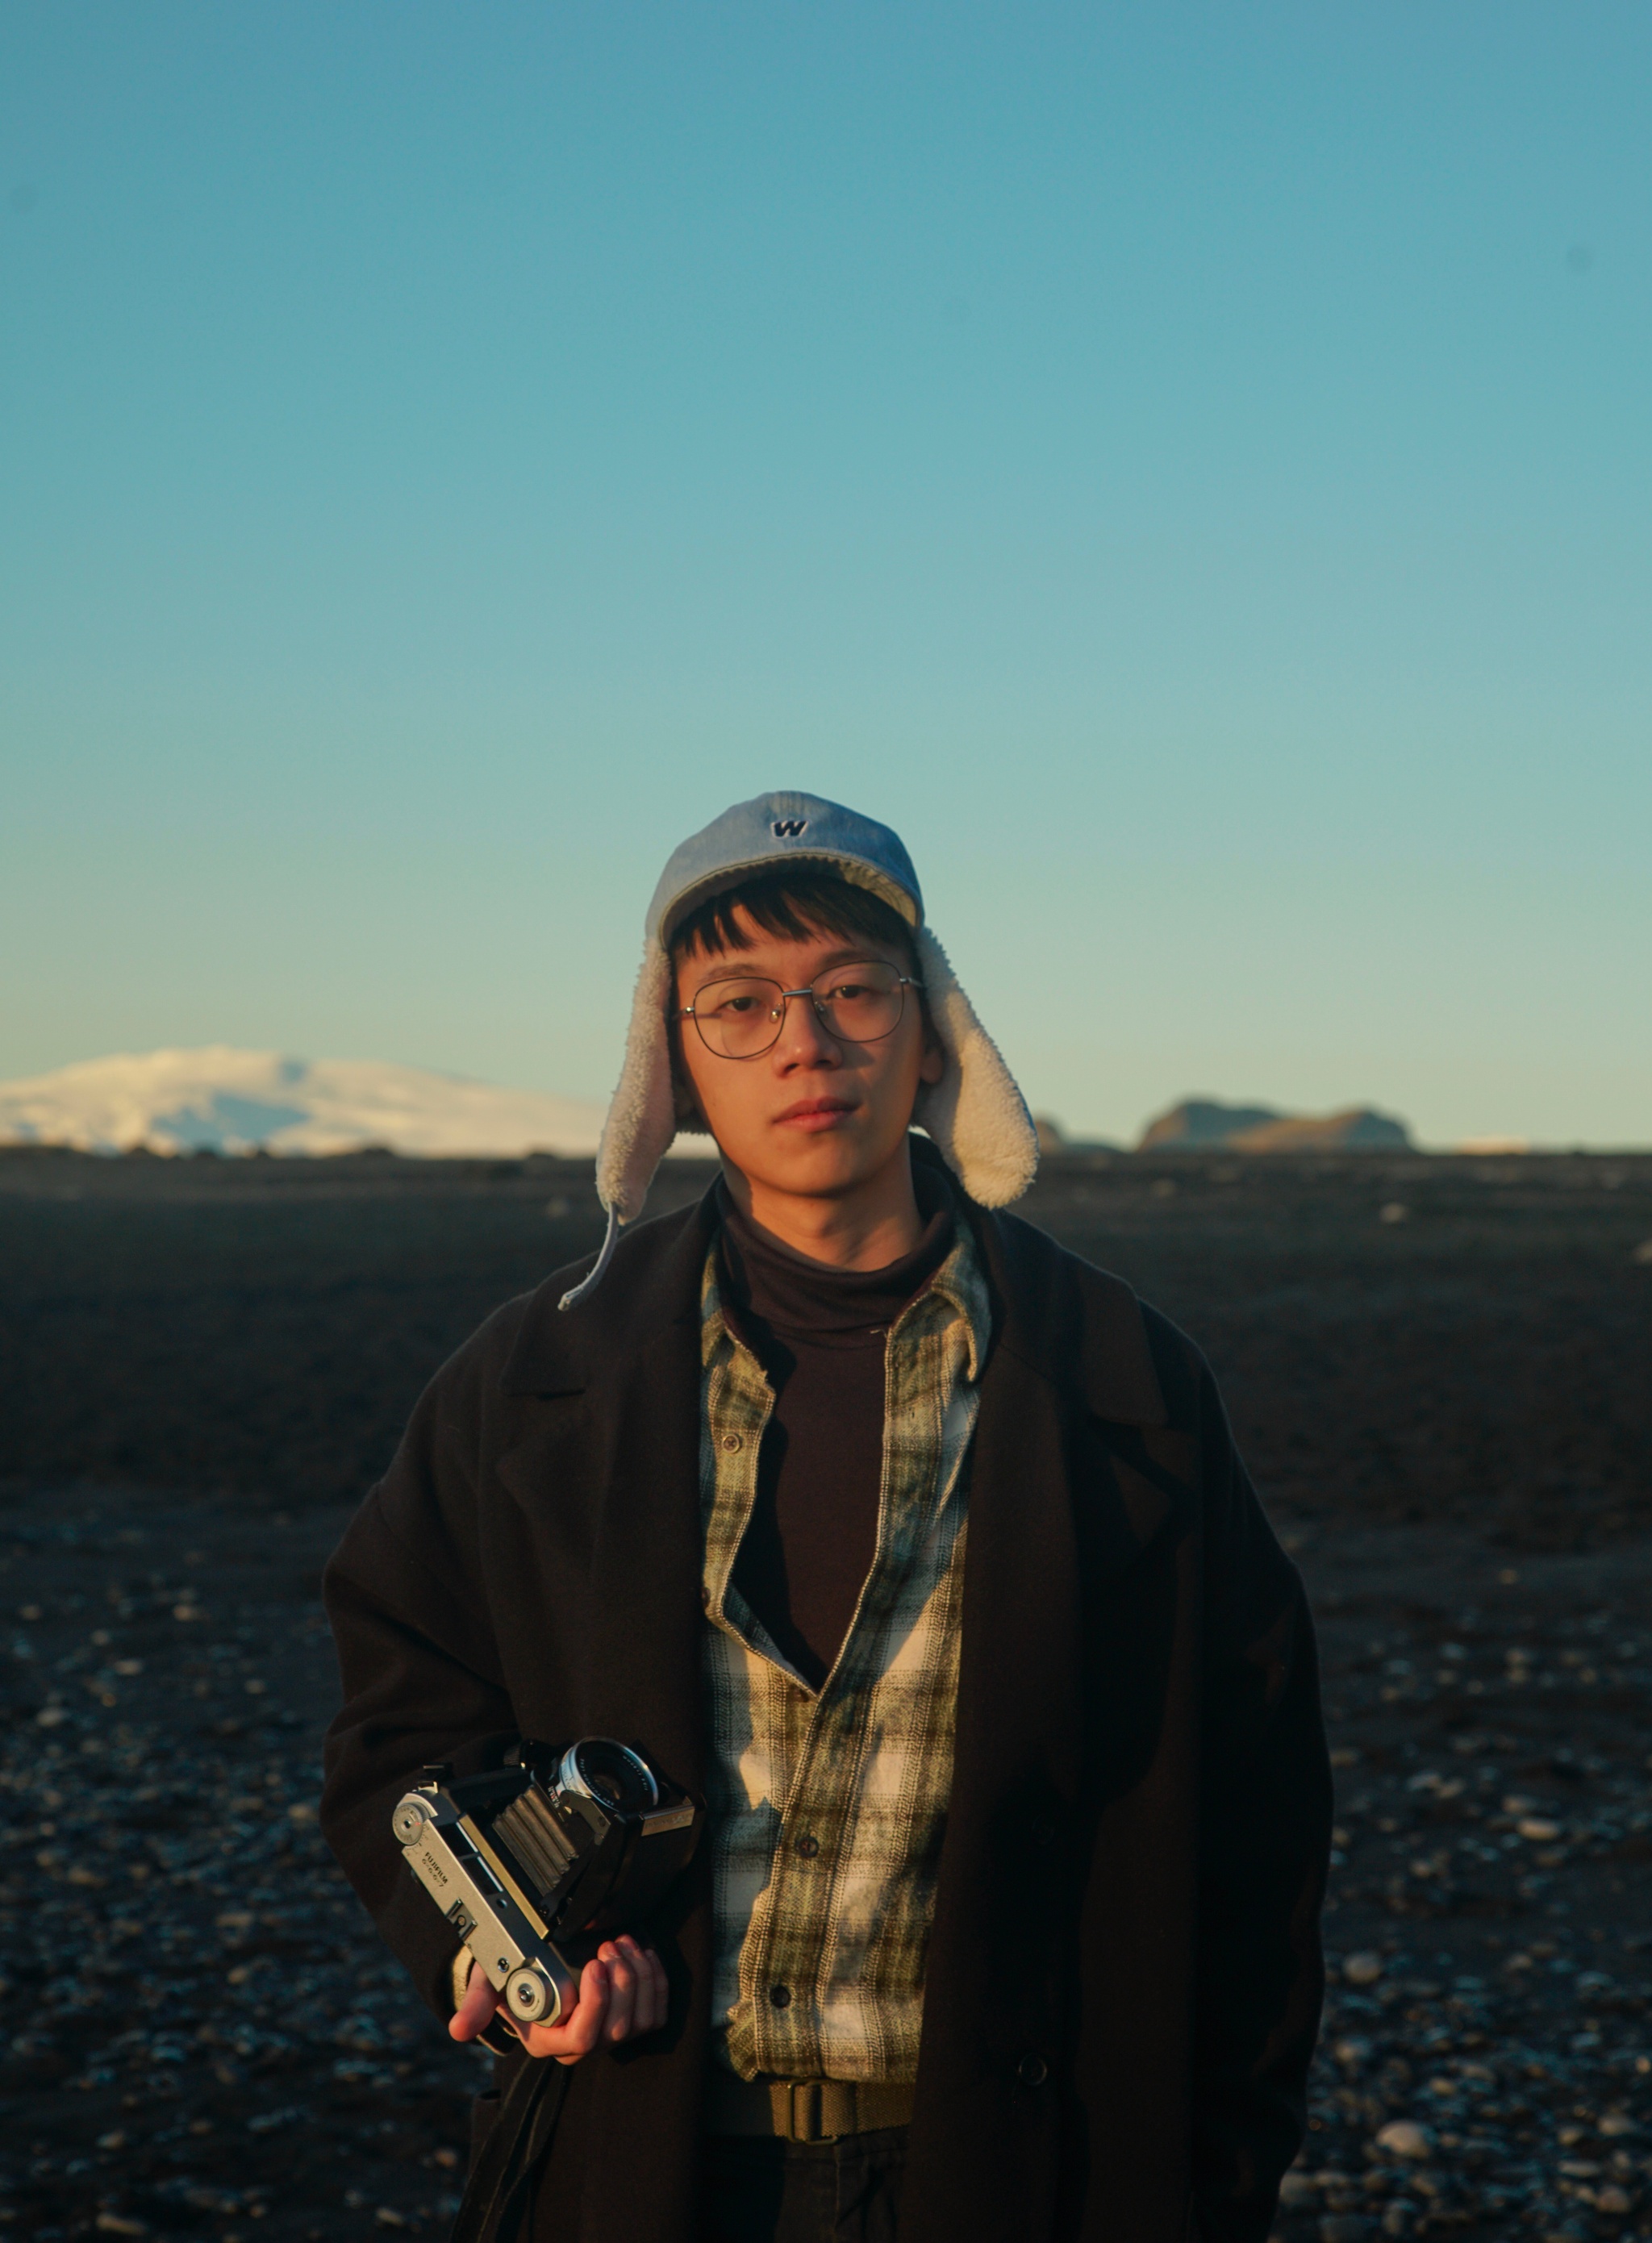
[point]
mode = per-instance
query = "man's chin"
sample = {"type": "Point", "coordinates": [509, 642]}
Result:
{"type": "Point", "coordinates": [830, 1166]}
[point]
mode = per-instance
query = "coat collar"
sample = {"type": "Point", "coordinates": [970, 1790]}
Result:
{"type": "Point", "coordinates": [1076, 1326]}
{"type": "Point", "coordinates": [1064, 1321]}
{"type": "Point", "coordinates": [652, 1283]}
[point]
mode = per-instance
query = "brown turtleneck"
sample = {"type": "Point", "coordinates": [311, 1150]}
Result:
{"type": "Point", "coordinates": [818, 1333]}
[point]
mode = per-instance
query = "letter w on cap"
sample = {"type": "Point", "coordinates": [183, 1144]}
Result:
{"type": "Point", "coordinates": [787, 828]}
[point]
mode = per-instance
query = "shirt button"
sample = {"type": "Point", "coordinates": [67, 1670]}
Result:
{"type": "Point", "coordinates": [1032, 2071]}
{"type": "Point", "coordinates": [731, 1442]}
{"type": "Point", "coordinates": [808, 1845]}
{"type": "Point", "coordinates": [781, 1996]}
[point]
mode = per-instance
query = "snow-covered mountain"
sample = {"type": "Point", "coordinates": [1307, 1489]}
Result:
{"type": "Point", "coordinates": [234, 1102]}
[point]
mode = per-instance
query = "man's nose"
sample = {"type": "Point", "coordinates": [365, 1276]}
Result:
{"type": "Point", "coordinates": [805, 1040]}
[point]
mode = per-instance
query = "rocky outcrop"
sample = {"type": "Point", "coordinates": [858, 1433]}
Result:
{"type": "Point", "coordinates": [1199, 1125]}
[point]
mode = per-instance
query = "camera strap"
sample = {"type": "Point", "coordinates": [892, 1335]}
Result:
{"type": "Point", "coordinates": [500, 2191]}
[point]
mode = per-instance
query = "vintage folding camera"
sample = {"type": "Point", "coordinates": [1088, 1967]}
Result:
{"type": "Point", "coordinates": [535, 1865]}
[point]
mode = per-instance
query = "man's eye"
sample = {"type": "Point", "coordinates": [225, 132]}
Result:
{"type": "Point", "coordinates": [848, 993]}
{"type": "Point", "coordinates": [737, 1007]}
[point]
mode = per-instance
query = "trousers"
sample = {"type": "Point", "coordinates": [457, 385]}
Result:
{"type": "Point", "coordinates": [847, 2191]}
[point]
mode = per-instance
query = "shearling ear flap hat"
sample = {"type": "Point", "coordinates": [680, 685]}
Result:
{"type": "Point", "coordinates": [975, 1113]}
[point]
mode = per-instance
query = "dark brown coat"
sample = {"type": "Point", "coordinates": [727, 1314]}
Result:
{"type": "Point", "coordinates": [1124, 1978]}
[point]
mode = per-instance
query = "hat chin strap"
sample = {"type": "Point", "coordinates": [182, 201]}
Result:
{"type": "Point", "coordinates": [593, 1277]}
{"type": "Point", "coordinates": [975, 1113]}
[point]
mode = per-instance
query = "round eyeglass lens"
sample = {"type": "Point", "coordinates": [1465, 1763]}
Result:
{"type": "Point", "coordinates": [738, 1019]}
{"type": "Point", "coordinates": [861, 1002]}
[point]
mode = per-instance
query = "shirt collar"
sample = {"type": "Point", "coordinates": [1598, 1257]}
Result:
{"type": "Point", "coordinates": [959, 1282]}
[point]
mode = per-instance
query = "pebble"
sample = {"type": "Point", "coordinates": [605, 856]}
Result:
{"type": "Point", "coordinates": [1404, 2138]}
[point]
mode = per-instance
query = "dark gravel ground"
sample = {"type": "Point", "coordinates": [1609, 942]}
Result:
{"type": "Point", "coordinates": [200, 1364]}
{"type": "Point", "coordinates": [1405, 1339]}
{"type": "Point", "coordinates": [200, 2028]}
{"type": "Point", "coordinates": [1487, 2063]}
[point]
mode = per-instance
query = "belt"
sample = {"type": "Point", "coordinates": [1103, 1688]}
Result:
{"type": "Point", "coordinates": [803, 2110]}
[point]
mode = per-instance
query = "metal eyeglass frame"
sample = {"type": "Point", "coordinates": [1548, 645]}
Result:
{"type": "Point", "coordinates": [903, 983]}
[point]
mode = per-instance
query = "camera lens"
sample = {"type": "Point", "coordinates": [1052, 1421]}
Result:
{"type": "Point", "coordinates": [612, 1773]}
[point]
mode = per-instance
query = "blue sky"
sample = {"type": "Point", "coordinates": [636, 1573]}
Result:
{"type": "Point", "coordinates": [1189, 468]}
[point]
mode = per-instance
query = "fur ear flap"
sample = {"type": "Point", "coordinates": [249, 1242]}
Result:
{"type": "Point", "coordinates": [642, 1121]}
{"type": "Point", "coordinates": [975, 1113]}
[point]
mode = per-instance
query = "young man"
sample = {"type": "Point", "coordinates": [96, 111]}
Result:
{"type": "Point", "coordinates": [920, 1550]}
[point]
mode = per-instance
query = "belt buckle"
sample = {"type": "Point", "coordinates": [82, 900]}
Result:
{"type": "Point", "coordinates": [806, 2114]}
{"type": "Point", "coordinates": [812, 2110]}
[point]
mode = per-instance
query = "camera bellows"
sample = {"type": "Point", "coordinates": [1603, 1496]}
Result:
{"type": "Point", "coordinates": [528, 1831]}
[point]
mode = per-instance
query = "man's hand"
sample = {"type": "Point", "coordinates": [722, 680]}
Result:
{"type": "Point", "coordinates": [622, 1993]}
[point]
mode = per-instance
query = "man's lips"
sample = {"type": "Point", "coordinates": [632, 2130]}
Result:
{"type": "Point", "coordinates": [815, 1114]}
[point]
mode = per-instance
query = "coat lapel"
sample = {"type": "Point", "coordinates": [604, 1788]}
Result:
{"type": "Point", "coordinates": [618, 1451]}
{"type": "Point", "coordinates": [1049, 1526]}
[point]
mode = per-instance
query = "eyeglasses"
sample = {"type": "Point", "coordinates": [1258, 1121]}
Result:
{"type": "Point", "coordinates": [741, 1015]}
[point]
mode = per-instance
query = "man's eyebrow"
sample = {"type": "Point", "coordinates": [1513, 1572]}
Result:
{"type": "Point", "coordinates": [734, 964]}
{"type": "Point", "coordinates": [849, 955]}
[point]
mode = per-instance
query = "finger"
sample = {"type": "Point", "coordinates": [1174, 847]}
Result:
{"type": "Point", "coordinates": [476, 2012]}
{"type": "Point", "coordinates": [581, 2031]}
{"type": "Point", "coordinates": [661, 1987]}
{"type": "Point", "coordinates": [621, 1984]}
{"type": "Point", "coordinates": [648, 2006]}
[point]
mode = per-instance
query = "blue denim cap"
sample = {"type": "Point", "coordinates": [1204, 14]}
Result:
{"type": "Point", "coordinates": [975, 1114]}
{"type": "Point", "coordinates": [774, 830]}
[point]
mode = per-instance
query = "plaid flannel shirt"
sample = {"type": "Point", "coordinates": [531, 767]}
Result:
{"type": "Point", "coordinates": [828, 1808]}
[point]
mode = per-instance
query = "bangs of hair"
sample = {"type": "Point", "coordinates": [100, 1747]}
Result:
{"type": "Point", "coordinates": [791, 907]}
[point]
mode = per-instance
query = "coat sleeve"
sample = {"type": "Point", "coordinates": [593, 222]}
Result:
{"type": "Point", "coordinates": [1264, 1844]}
{"type": "Point", "coordinates": [420, 1673]}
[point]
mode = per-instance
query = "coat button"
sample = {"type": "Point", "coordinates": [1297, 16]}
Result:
{"type": "Point", "coordinates": [731, 1442]}
{"type": "Point", "coordinates": [808, 1845]}
{"type": "Point", "coordinates": [1032, 2071]}
{"type": "Point", "coordinates": [781, 1996]}
{"type": "Point", "coordinates": [1044, 1832]}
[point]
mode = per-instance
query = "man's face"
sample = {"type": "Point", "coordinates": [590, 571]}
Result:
{"type": "Point", "coordinates": [815, 1115]}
